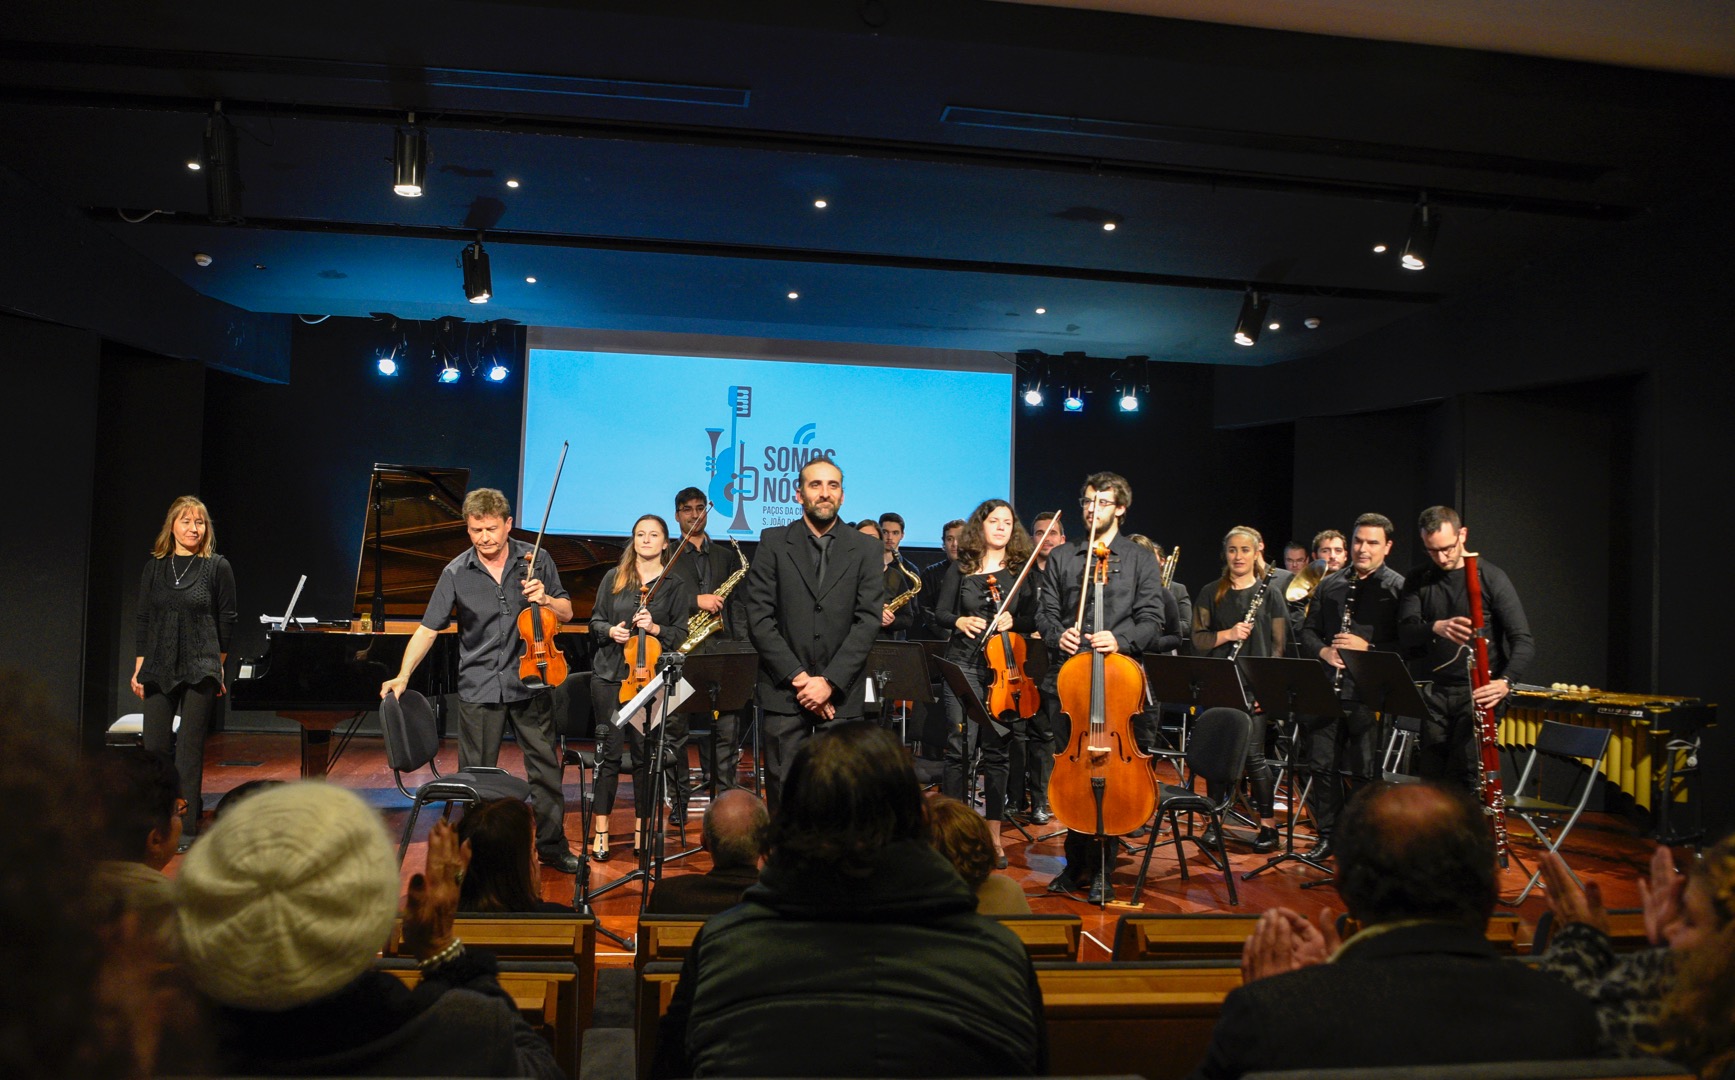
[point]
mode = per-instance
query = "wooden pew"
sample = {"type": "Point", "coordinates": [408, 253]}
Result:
{"type": "Point", "coordinates": [1220, 937]}
{"type": "Point", "coordinates": [656, 988]}
{"type": "Point", "coordinates": [1045, 937]}
{"type": "Point", "coordinates": [1153, 1019]}
{"type": "Point", "coordinates": [536, 937]}
{"type": "Point", "coordinates": [545, 992]}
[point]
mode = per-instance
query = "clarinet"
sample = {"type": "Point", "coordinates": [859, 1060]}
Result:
{"type": "Point", "coordinates": [1253, 607]}
{"type": "Point", "coordinates": [1489, 789]}
{"type": "Point", "coordinates": [1343, 626]}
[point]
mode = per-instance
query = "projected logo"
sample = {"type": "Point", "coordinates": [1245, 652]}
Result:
{"type": "Point", "coordinates": [757, 496]}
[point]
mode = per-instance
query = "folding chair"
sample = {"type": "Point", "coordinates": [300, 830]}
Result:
{"type": "Point", "coordinates": [1569, 741]}
{"type": "Point", "coordinates": [1217, 752]}
{"type": "Point", "coordinates": [1395, 765]}
{"type": "Point", "coordinates": [412, 739]}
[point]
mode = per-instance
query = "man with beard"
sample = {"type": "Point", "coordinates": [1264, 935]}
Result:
{"type": "Point", "coordinates": [813, 600]}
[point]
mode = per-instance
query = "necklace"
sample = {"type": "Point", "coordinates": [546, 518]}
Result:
{"type": "Point", "coordinates": [179, 574]}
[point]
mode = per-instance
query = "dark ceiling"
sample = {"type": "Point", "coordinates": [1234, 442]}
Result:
{"type": "Point", "coordinates": [669, 156]}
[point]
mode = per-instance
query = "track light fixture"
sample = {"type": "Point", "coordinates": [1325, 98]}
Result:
{"type": "Point", "coordinates": [478, 282]}
{"type": "Point", "coordinates": [1033, 394]}
{"type": "Point", "coordinates": [409, 159]}
{"type": "Point", "coordinates": [449, 372]}
{"type": "Point", "coordinates": [1424, 227]}
{"type": "Point", "coordinates": [1074, 400]}
{"type": "Point", "coordinates": [1132, 382]}
{"type": "Point", "coordinates": [1252, 318]}
{"type": "Point", "coordinates": [222, 169]}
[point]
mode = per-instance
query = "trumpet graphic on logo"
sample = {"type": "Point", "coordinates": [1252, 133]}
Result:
{"type": "Point", "coordinates": [732, 484]}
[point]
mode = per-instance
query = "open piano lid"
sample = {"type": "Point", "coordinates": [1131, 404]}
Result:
{"type": "Point", "coordinates": [415, 520]}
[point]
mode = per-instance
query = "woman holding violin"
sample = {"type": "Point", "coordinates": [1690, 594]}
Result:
{"type": "Point", "coordinates": [992, 548]}
{"type": "Point", "coordinates": [186, 616]}
{"type": "Point", "coordinates": [637, 616]}
{"type": "Point", "coordinates": [1225, 623]}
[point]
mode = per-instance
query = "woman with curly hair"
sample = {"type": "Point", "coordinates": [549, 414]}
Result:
{"type": "Point", "coordinates": [962, 837]}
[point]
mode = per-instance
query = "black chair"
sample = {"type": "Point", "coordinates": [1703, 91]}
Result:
{"type": "Point", "coordinates": [1216, 751]}
{"type": "Point", "coordinates": [1582, 746]}
{"type": "Point", "coordinates": [412, 739]}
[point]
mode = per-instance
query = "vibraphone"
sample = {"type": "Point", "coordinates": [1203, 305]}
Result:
{"type": "Point", "coordinates": [1653, 742]}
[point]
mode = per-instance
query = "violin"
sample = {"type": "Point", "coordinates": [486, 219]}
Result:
{"type": "Point", "coordinates": [1013, 694]}
{"type": "Point", "coordinates": [1102, 782]}
{"type": "Point", "coordinates": [541, 665]}
{"type": "Point", "coordinates": [642, 652]}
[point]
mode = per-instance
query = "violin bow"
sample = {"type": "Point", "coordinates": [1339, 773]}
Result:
{"type": "Point", "coordinates": [530, 568]}
{"type": "Point", "coordinates": [1006, 600]}
{"type": "Point", "coordinates": [686, 538]}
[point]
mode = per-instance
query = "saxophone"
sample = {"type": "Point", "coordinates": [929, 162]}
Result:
{"type": "Point", "coordinates": [915, 582]}
{"type": "Point", "coordinates": [704, 624]}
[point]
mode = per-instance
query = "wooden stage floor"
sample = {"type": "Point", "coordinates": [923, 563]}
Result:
{"type": "Point", "coordinates": [1603, 848]}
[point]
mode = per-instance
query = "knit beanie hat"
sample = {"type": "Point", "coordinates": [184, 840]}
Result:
{"type": "Point", "coordinates": [288, 898]}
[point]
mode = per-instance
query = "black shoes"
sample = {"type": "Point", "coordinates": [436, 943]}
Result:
{"type": "Point", "coordinates": [565, 862]}
{"type": "Point", "coordinates": [1266, 841]}
{"type": "Point", "coordinates": [1101, 892]}
{"type": "Point", "coordinates": [1063, 883]}
{"type": "Point", "coordinates": [1210, 838]}
{"type": "Point", "coordinates": [999, 860]}
{"type": "Point", "coordinates": [1321, 850]}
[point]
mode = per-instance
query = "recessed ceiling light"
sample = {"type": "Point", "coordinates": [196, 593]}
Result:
{"type": "Point", "coordinates": [1273, 326]}
{"type": "Point", "coordinates": [529, 281]}
{"type": "Point", "coordinates": [1379, 249]}
{"type": "Point", "coordinates": [511, 183]}
{"type": "Point", "coordinates": [795, 296]}
{"type": "Point", "coordinates": [195, 166]}
{"type": "Point", "coordinates": [819, 204]}
{"type": "Point", "coordinates": [201, 259]}
{"type": "Point", "coordinates": [258, 266]}
{"type": "Point", "coordinates": [1042, 311]}
{"type": "Point", "coordinates": [1108, 226]}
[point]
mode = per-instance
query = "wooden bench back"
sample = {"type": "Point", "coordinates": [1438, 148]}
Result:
{"type": "Point", "coordinates": [1153, 1019]}
{"type": "Point", "coordinates": [1220, 937]}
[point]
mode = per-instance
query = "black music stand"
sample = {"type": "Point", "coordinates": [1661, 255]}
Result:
{"type": "Point", "coordinates": [899, 672]}
{"type": "Point", "coordinates": [980, 717]}
{"type": "Point", "coordinates": [1203, 682]}
{"type": "Point", "coordinates": [724, 677]}
{"type": "Point", "coordinates": [650, 868]}
{"type": "Point", "coordinates": [1302, 686]}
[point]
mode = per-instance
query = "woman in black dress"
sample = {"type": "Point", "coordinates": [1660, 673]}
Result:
{"type": "Point", "coordinates": [1220, 621]}
{"type": "Point", "coordinates": [992, 544]}
{"type": "Point", "coordinates": [614, 618]}
{"type": "Point", "coordinates": [186, 614]}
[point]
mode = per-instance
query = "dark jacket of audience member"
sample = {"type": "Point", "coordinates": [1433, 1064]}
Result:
{"type": "Point", "coordinates": [1420, 985]}
{"type": "Point", "coordinates": [859, 953]}
{"type": "Point", "coordinates": [284, 903]}
{"type": "Point", "coordinates": [734, 833]}
{"type": "Point", "coordinates": [501, 877]}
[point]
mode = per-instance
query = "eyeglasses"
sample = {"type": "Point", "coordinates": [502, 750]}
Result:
{"type": "Point", "coordinates": [1107, 502]}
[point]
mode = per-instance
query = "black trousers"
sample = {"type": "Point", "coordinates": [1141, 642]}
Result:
{"type": "Point", "coordinates": [1450, 749]}
{"type": "Point", "coordinates": [963, 737]}
{"type": "Point", "coordinates": [481, 725]}
{"type": "Point", "coordinates": [1032, 756]}
{"type": "Point", "coordinates": [722, 751]}
{"type": "Point", "coordinates": [194, 705]}
{"type": "Point", "coordinates": [613, 739]}
{"type": "Point", "coordinates": [783, 735]}
{"type": "Point", "coordinates": [1342, 756]}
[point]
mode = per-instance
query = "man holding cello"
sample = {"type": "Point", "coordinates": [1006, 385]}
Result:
{"type": "Point", "coordinates": [1131, 620]}
{"type": "Point", "coordinates": [488, 585]}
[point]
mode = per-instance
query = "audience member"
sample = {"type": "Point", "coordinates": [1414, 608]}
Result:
{"type": "Point", "coordinates": [859, 953]}
{"type": "Point", "coordinates": [139, 792]}
{"type": "Point", "coordinates": [1685, 923]}
{"type": "Point", "coordinates": [284, 904]}
{"type": "Point", "coordinates": [962, 837]}
{"type": "Point", "coordinates": [733, 832]}
{"type": "Point", "coordinates": [242, 791]}
{"type": "Point", "coordinates": [499, 838]}
{"type": "Point", "coordinates": [1419, 984]}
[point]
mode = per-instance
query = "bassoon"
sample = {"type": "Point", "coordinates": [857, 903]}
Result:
{"type": "Point", "coordinates": [1488, 786]}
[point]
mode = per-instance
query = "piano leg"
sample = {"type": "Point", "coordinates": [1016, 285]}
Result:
{"type": "Point", "coordinates": [316, 730]}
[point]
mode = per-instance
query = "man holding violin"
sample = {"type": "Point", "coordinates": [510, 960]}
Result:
{"type": "Point", "coordinates": [487, 586]}
{"type": "Point", "coordinates": [1137, 613]}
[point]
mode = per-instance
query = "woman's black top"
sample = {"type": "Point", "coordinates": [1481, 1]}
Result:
{"type": "Point", "coordinates": [1270, 626]}
{"type": "Point", "coordinates": [184, 626]}
{"type": "Point", "coordinates": [967, 594]}
{"type": "Point", "coordinates": [669, 608]}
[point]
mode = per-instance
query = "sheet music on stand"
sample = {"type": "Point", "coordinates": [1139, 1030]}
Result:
{"type": "Point", "coordinates": [647, 702]}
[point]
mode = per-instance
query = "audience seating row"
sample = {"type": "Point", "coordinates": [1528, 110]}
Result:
{"type": "Point", "coordinates": [1219, 937]}
{"type": "Point", "coordinates": [1045, 937]}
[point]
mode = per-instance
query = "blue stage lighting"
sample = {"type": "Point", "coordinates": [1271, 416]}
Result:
{"type": "Point", "coordinates": [497, 373]}
{"type": "Point", "coordinates": [388, 366]}
{"type": "Point", "coordinates": [449, 373]}
{"type": "Point", "coordinates": [1074, 402]}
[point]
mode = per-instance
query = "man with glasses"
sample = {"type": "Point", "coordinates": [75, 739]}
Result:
{"type": "Point", "coordinates": [1434, 629]}
{"type": "Point", "coordinates": [1138, 615]}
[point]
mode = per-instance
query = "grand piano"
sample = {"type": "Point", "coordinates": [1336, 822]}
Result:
{"type": "Point", "coordinates": [326, 676]}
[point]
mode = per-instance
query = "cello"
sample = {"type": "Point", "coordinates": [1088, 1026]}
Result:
{"type": "Point", "coordinates": [541, 665]}
{"type": "Point", "coordinates": [1102, 782]}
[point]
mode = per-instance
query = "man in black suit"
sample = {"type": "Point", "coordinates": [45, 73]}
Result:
{"type": "Point", "coordinates": [734, 833]}
{"type": "Point", "coordinates": [1419, 984]}
{"type": "Point", "coordinates": [813, 601]}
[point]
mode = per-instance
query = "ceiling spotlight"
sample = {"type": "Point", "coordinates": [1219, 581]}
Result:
{"type": "Point", "coordinates": [410, 160]}
{"type": "Point", "coordinates": [1424, 227]}
{"type": "Point", "coordinates": [497, 372]}
{"type": "Point", "coordinates": [194, 165]}
{"type": "Point", "coordinates": [795, 296]}
{"type": "Point", "coordinates": [222, 169]}
{"type": "Point", "coordinates": [1247, 326]}
{"type": "Point", "coordinates": [388, 364]}
{"type": "Point", "coordinates": [529, 281]}
{"type": "Point", "coordinates": [1074, 401]}
{"type": "Point", "coordinates": [1042, 311]}
{"type": "Point", "coordinates": [449, 371]}
{"type": "Point", "coordinates": [1311, 322]}
{"type": "Point", "coordinates": [819, 204]}
{"type": "Point", "coordinates": [1130, 401]}
{"type": "Point", "coordinates": [1379, 249]}
{"type": "Point", "coordinates": [512, 183]}
{"type": "Point", "coordinates": [1273, 325]}
{"type": "Point", "coordinates": [1033, 395]}
{"type": "Point", "coordinates": [201, 259]}
{"type": "Point", "coordinates": [478, 282]}
{"type": "Point", "coordinates": [1108, 226]}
